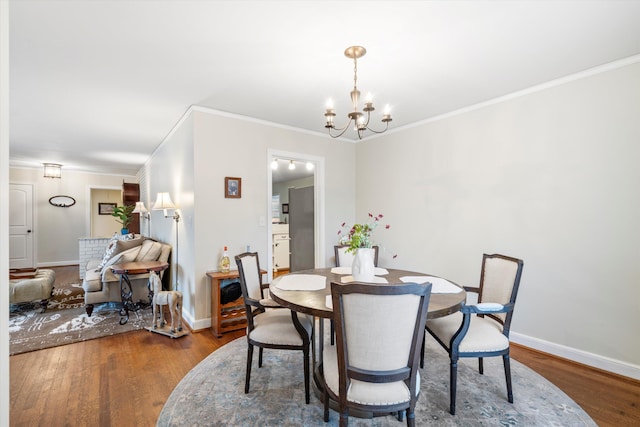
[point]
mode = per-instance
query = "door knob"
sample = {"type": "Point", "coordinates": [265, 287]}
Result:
{"type": "Point", "coordinates": [28, 231]}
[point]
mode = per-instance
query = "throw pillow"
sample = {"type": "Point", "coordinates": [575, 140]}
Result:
{"type": "Point", "coordinates": [117, 244]}
{"type": "Point", "coordinates": [150, 251]}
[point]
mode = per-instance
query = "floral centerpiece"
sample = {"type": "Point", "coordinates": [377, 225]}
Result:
{"type": "Point", "coordinates": [359, 235]}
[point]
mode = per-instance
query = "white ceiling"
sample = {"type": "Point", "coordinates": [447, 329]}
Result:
{"type": "Point", "coordinates": [97, 85]}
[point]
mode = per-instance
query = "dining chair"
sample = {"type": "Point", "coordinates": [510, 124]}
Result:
{"type": "Point", "coordinates": [278, 328]}
{"type": "Point", "coordinates": [482, 329]}
{"type": "Point", "coordinates": [345, 259]}
{"type": "Point", "coordinates": [374, 366]}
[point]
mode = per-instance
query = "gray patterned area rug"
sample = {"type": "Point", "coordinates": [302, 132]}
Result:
{"type": "Point", "coordinates": [66, 322]}
{"type": "Point", "coordinates": [212, 394]}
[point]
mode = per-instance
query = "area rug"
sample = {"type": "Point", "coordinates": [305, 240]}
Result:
{"type": "Point", "coordinates": [212, 394]}
{"type": "Point", "coordinates": [65, 321]}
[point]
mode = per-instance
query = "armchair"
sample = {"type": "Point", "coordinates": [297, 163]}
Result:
{"type": "Point", "coordinates": [482, 330]}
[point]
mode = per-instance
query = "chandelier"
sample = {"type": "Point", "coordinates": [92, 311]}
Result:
{"type": "Point", "coordinates": [361, 123]}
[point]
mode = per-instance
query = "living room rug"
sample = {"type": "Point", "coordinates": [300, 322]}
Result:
{"type": "Point", "coordinates": [65, 321]}
{"type": "Point", "coordinates": [212, 394]}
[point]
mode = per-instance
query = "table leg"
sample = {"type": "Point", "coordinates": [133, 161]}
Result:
{"type": "Point", "coordinates": [126, 293]}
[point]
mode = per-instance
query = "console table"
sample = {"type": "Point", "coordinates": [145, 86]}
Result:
{"type": "Point", "coordinates": [230, 316]}
{"type": "Point", "coordinates": [126, 291]}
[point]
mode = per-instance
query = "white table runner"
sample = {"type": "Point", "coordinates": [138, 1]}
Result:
{"type": "Point", "coordinates": [439, 285]}
{"type": "Point", "coordinates": [301, 282]}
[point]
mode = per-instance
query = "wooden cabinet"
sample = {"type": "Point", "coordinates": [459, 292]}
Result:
{"type": "Point", "coordinates": [280, 246]}
{"type": "Point", "coordinates": [225, 317]}
{"type": "Point", "coordinates": [131, 195]}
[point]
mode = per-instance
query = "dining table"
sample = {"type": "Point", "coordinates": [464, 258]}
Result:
{"type": "Point", "coordinates": [309, 292]}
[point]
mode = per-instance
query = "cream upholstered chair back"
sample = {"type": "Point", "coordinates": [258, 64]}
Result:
{"type": "Point", "coordinates": [374, 364]}
{"type": "Point", "coordinates": [498, 281]}
{"type": "Point", "coordinates": [345, 259]}
{"type": "Point", "coordinates": [379, 329]}
{"type": "Point", "coordinates": [249, 268]}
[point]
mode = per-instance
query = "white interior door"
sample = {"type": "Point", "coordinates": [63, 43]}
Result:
{"type": "Point", "coordinates": [21, 236]}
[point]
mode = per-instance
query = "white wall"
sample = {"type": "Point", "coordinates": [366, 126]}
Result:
{"type": "Point", "coordinates": [57, 229]}
{"type": "Point", "coordinates": [171, 169]}
{"type": "Point", "coordinates": [550, 177]}
{"type": "Point", "coordinates": [195, 159]}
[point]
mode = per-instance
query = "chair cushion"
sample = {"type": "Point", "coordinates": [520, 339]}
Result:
{"type": "Point", "coordinates": [276, 327]}
{"type": "Point", "coordinates": [363, 392]}
{"type": "Point", "coordinates": [484, 334]}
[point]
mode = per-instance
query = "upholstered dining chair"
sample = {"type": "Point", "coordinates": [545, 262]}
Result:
{"type": "Point", "coordinates": [374, 365]}
{"type": "Point", "coordinates": [278, 328]}
{"type": "Point", "coordinates": [345, 259]}
{"type": "Point", "coordinates": [482, 330]}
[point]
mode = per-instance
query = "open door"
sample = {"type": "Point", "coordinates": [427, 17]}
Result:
{"type": "Point", "coordinates": [301, 228]}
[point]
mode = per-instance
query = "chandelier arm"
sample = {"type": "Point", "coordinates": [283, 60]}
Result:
{"type": "Point", "coordinates": [379, 131]}
{"type": "Point", "coordinates": [341, 130]}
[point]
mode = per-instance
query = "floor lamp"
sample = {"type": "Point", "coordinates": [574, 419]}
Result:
{"type": "Point", "coordinates": [163, 203]}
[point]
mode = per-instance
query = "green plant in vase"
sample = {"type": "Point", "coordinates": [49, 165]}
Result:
{"type": "Point", "coordinates": [123, 215]}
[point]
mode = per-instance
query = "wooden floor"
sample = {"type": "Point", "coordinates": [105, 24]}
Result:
{"type": "Point", "coordinates": [125, 379]}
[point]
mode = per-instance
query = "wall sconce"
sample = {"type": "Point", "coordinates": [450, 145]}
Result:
{"type": "Point", "coordinates": [144, 213]}
{"type": "Point", "coordinates": [52, 170]}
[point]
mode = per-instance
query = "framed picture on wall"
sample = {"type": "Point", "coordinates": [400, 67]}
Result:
{"type": "Point", "coordinates": [285, 208]}
{"type": "Point", "coordinates": [106, 208]}
{"type": "Point", "coordinates": [232, 187]}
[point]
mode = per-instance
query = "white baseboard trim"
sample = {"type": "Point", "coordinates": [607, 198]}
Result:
{"type": "Point", "coordinates": [196, 325]}
{"type": "Point", "coordinates": [601, 362]}
{"type": "Point", "coordinates": [58, 263]}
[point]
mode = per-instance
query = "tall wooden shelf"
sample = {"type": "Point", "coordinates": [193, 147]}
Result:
{"type": "Point", "coordinates": [131, 195]}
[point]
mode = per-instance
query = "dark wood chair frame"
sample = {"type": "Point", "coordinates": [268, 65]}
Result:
{"type": "Point", "coordinates": [253, 308]}
{"type": "Point", "coordinates": [337, 248]}
{"type": "Point", "coordinates": [467, 310]}
{"type": "Point", "coordinates": [408, 374]}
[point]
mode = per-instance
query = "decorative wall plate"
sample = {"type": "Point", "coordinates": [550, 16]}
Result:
{"type": "Point", "coordinates": [62, 201]}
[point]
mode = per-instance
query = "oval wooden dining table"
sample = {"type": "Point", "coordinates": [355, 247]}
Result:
{"type": "Point", "coordinates": [314, 303]}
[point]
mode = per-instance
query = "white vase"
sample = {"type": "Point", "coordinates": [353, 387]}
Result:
{"type": "Point", "coordinates": [362, 268]}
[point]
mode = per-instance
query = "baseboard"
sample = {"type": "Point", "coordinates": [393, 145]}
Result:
{"type": "Point", "coordinates": [58, 264]}
{"type": "Point", "coordinates": [196, 325]}
{"type": "Point", "coordinates": [590, 359]}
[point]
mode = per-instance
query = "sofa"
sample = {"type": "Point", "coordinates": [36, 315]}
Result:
{"type": "Point", "coordinates": [101, 285]}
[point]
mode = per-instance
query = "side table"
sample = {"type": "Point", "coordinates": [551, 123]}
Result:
{"type": "Point", "coordinates": [230, 316]}
{"type": "Point", "coordinates": [126, 291]}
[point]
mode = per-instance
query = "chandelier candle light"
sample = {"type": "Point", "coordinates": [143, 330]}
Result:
{"type": "Point", "coordinates": [355, 116]}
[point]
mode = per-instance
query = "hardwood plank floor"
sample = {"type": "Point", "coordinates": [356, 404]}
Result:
{"type": "Point", "coordinates": [125, 379]}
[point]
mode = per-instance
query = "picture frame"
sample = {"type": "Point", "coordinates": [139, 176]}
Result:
{"type": "Point", "coordinates": [106, 208]}
{"type": "Point", "coordinates": [285, 208]}
{"type": "Point", "coordinates": [232, 187]}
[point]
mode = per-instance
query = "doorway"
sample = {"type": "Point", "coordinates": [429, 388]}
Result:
{"type": "Point", "coordinates": [308, 173]}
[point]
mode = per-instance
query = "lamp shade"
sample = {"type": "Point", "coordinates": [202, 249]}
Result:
{"type": "Point", "coordinates": [163, 201]}
{"type": "Point", "coordinates": [140, 208]}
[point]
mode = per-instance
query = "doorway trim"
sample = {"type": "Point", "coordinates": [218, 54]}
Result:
{"type": "Point", "coordinates": [319, 204]}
